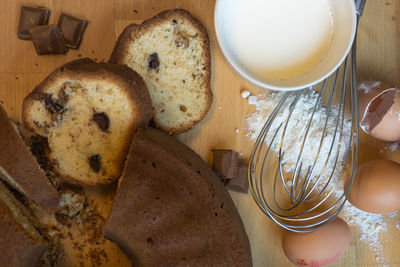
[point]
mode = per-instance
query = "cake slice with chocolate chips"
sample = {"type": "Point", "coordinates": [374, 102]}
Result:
{"type": "Point", "coordinates": [88, 112]}
{"type": "Point", "coordinates": [172, 53]}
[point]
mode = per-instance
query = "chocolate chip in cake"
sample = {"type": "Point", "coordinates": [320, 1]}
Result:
{"type": "Point", "coordinates": [182, 108]}
{"type": "Point", "coordinates": [63, 97]}
{"type": "Point", "coordinates": [39, 145]}
{"type": "Point", "coordinates": [102, 120]}
{"type": "Point", "coordinates": [154, 62]}
{"type": "Point", "coordinates": [95, 162]}
{"type": "Point", "coordinates": [52, 104]}
{"type": "Point", "coordinates": [181, 42]}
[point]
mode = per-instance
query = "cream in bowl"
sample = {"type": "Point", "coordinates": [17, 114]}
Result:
{"type": "Point", "coordinates": [285, 44]}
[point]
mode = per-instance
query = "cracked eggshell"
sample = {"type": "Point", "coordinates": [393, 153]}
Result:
{"type": "Point", "coordinates": [318, 248]}
{"type": "Point", "coordinates": [376, 187]}
{"type": "Point", "coordinates": [379, 105]}
{"type": "Point", "coordinates": [367, 90]}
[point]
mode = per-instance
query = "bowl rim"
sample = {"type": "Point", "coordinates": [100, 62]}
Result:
{"type": "Point", "coordinates": [223, 47]}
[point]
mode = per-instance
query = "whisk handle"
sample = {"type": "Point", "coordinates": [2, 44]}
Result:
{"type": "Point", "coordinates": [359, 6]}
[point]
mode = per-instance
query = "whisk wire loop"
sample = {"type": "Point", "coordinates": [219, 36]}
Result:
{"type": "Point", "coordinates": [303, 185]}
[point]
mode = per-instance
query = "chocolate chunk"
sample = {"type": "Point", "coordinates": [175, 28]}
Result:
{"type": "Point", "coordinates": [63, 97]}
{"type": "Point", "coordinates": [72, 29]}
{"type": "Point", "coordinates": [225, 163]}
{"type": "Point", "coordinates": [95, 162]}
{"type": "Point", "coordinates": [181, 42]}
{"type": "Point", "coordinates": [52, 104]}
{"type": "Point", "coordinates": [154, 63]}
{"type": "Point", "coordinates": [240, 183]}
{"type": "Point", "coordinates": [102, 121]}
{"type": "Point", "coordinates": [39, 146]}
{"type": "Point", "coordinates": [47, 39]}
{"type": "Point", "coordinates": [31, 16]}
{"type": "Point", "coordinates": [182, 108]}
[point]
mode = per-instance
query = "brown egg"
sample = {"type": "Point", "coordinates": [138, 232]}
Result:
{"type": "Point", "coordinates": [317, 248]}
{"type": "Point", "coordinates": [379, 105]}
{"type": "Point", "coordinates": [376, 187]}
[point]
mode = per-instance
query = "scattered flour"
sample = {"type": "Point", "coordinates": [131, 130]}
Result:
{"type": "Point", "coordinates": [297, 129]}
{"type": "Point", "coordinates": [368, 86]}
{"type": "Point", "coordinates": [373, 228]}
{"type": "Point", "coordinates": [392, 146]}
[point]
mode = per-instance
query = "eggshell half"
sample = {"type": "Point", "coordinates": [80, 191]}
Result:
{"type": "Point", "coordinates": [317, 248]}
{"type": "Point", "coordinates": [367, 90]}
{"type": "Point", "coordinates": [376, 187]}
{"type": "Point", "coordinates": [379, 105]}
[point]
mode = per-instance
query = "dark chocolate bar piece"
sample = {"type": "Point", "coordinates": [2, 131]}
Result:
{"type": "Point", "coordinates": [72, 28]}
{"type": "Point", "coordinates": [31, 16]}
{"type": "Point", "coordinates": [225, 163]}
{"type": "Point", "coordinates": [47, 39]}
{"type": "Point", "coordinates": [240, 183]}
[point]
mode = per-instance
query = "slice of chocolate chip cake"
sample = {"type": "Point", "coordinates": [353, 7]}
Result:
{"type": "Point", "coordinates": [172, 53]}
{"type": "Point", "coordinates": [89, 112]}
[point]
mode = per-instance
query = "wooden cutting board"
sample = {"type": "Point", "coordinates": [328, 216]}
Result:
{"type": "Point", "coordinates": [378, 58]}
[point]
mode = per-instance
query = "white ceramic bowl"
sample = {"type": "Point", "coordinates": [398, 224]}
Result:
{"type": "Point", "coordinates": [344, 21]}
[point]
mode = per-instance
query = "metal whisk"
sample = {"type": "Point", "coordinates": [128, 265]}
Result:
{"type": "Point", "coordinates": [300, 194]}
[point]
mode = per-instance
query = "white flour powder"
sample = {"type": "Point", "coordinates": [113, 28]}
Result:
{"type": "Point", "coordinates": [373, 228]}
{"type": "Point", "coordinates": [297, 129]}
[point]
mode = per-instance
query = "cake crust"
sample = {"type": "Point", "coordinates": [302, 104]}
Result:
{"type": "Point", "coordinates": [17, 248]}
{"type": "Point", "coordinates": [18, 164]}
{"type": "Point", "coordinates": [132, 31]}
{"type": "Point", "coordinates": [172, 210]}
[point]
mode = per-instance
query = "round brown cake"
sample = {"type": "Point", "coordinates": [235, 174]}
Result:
{"type": "Point", "coordinates": [172, 210]}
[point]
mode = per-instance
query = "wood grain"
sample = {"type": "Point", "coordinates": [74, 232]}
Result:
{"type": "Point", "coordinates": [378, 58]}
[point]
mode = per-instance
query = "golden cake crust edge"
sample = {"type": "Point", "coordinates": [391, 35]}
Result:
{"type": "Point", "coordinates": [124, 76]}
{"type": "Point", "coordinates": [129, 33]}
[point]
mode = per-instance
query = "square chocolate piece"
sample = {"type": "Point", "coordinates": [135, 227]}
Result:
{"type": "Point", "coordinates": [47, 39]}
{"type": "Point", "coordinates": [225, 163]}
{"type": "Point", "coordinates": [72, 28]}
{"type": "Point", "coordinates": [240, 183]}
{"type": "Point", "coordinates": [31, 16]}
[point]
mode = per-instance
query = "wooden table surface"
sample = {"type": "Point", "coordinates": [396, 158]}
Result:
{"type": "Point", "coordinates": [378, 58]}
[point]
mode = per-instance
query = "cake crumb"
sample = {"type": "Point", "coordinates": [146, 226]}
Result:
{"type": "Point", "coordinates": [237, 131]}
{"type": "Point", "coordinates": [219, 107]}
